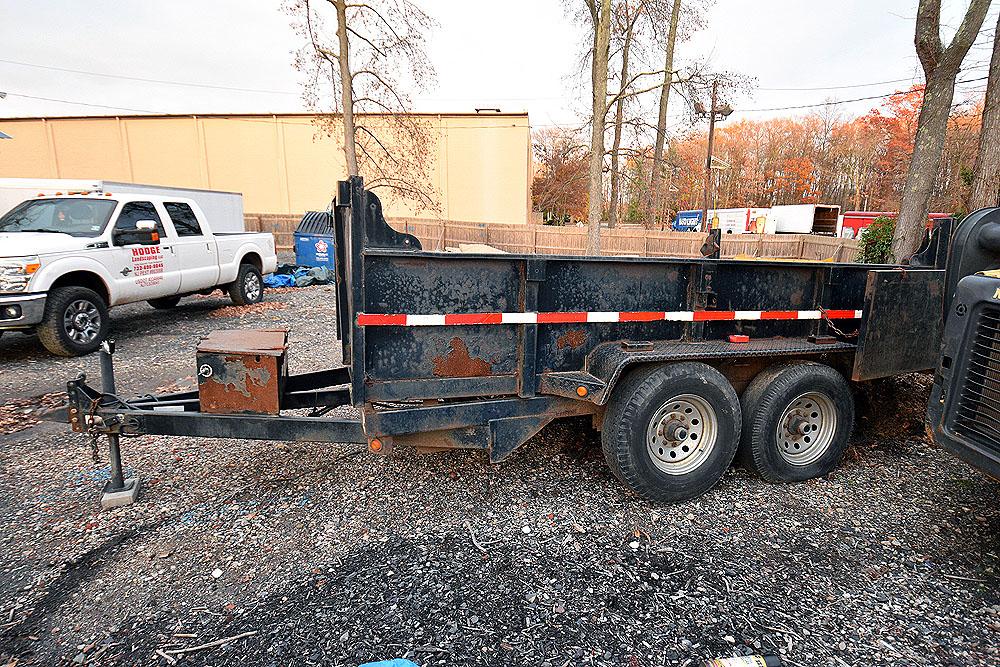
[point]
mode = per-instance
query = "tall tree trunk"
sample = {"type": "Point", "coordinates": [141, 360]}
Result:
{"type": "Point", "coordinates": [986, 176]}
{"type": "Point", "coordinates": [599, 108]}
{"type": "Point", "coordinates": [619, 117]}
{"type": "Point", "coordinates": [941, 66]}
{"type": "Point", "coordinates": [346, 88]}
{"type": "Point", "coordinates": [654, 203]}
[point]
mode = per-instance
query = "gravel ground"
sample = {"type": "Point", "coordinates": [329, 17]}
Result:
{"type": "Point", "coordinates": [312, 554]}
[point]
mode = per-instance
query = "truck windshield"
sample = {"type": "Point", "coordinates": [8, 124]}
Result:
{"type": "Point", "coordinates": [76, 217]}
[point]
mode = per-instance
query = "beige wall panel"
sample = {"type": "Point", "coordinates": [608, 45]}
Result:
{"type": "Point", "coordinates": [314, 163]}
{"type": "Point", "coordinates": [243, 157]}
{"type": "Point", "coordinates": [91, 149]}
{"type": "Point", "coordinates": [487, 162]}
{"type": "Point", "coordinates": [164, 151]}
{"type": "Point", "coordinates": [26, 154]}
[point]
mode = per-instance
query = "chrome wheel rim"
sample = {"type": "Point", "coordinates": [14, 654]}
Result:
{"type": "Point", "coordinates": [682, 434]}
{"type": "Point", "coordinates": [251, 286]}
{"type": "Point", "coordinates": [82, 322]}
{"type": "Point", "coordinates": [806, 428]}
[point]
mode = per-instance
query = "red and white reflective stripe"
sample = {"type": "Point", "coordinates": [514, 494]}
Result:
{"type": "Point", "coordinates": [399, 320]}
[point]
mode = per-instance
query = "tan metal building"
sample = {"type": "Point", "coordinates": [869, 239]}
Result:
{"type": "Point", "coordinates": [282, 164]}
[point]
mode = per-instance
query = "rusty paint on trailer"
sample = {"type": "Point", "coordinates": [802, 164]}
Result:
{"type": "Point", "coordinates": [572, 339]}
{"type": "Point", "coordinates": [458, 363]}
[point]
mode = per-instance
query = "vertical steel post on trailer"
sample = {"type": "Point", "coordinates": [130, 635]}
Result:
{"type": "Point", "coordinates": [116, 484]}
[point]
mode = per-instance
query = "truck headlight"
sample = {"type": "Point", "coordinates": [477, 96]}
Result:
{"type": "Point", "coordinates": [16, 272]}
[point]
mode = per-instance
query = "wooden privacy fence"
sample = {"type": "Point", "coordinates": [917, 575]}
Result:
{"type": "Point", "coordinates": [547, 240]}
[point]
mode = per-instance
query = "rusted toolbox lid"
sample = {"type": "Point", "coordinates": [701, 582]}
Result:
{"type": "Point", "coordinates": [271, 342]}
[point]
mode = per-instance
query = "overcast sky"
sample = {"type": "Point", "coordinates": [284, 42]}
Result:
{"type": "Point", "coordinates": [516, 55]}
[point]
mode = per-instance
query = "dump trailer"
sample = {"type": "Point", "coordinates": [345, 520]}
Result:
{"type": "Point", "coordinates": [681, 363]}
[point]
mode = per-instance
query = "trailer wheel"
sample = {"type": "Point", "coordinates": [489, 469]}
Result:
{"type": "Point", "coordinates": [670, 432]}
{"type": "Point", "coordinates": [797, 420]}
{"type": "Point", "coordinates": [164, 303]}
{"type": "Point", "coordinates": [75, 322]}
{"type": "Point", "coordinates": [248, 287]}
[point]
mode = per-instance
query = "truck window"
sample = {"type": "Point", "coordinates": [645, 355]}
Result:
{"type": "Point", "coordinates": [134, 211]}
{"type": "Point", "coordinates": [184, 219]}
{"type": "Point", "coordinates": [76, 217]}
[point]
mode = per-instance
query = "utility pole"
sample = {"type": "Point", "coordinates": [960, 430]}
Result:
{"type": "Point", "coordinates": [716, 112]}
{"type": "Point", "coordinates": [708, 160]}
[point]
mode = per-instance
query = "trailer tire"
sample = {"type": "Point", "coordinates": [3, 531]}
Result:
{"type": "Point", "coordinates": [697, 404]}
{"type": "Point", "coordinates": [248, 287]}
{"type": "Point", "coordinates": [75, 322]}
{"type": "Point", "coordinates": [164, 303]}
{"type": "Point", "coordinates": [797, 421]}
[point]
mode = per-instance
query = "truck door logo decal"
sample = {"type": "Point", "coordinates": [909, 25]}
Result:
{"type": "Point", "coordinates": [147, 263]}
{"type": "Point", "coordinates": [996, 295]}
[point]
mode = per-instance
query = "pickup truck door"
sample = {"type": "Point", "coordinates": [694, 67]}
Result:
{"type": "Point", "coordinates": [196, 251]}
{"type": "Point", "coordinates": [143, 272]}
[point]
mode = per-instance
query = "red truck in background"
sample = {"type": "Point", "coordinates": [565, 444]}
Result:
{"type": "Point", "coordinates": [854, 222]}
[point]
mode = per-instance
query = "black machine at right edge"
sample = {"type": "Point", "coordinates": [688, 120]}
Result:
{"type": "Point", "coordinates": [964, 410]}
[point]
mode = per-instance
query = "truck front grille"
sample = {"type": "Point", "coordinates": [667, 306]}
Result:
{"type": "Point", "coordinates": [978, 414]}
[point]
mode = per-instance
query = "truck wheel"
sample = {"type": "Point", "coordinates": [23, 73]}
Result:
{"type": "Point", "coordinates": [797, 419]}
{"type": "Point", "coordinates": [248, 287]}
{"type": "Point", "coordinates": [670, 432]}
{"type": "Point", "coordinates": [75, 322]}
{"type": "Point", "coordinates": [164, 303]}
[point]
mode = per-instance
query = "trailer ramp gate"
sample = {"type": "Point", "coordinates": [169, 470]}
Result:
{"type": "Point", "coordinates": [903, 322]}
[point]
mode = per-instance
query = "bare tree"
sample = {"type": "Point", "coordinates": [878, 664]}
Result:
{"type": "Point", "coordinates": [628, 15]}
{"type": "Point", "coordinates": [986, 175]}
{"type": "Point", "coordinates": [661, 121]}
{"type": "Point", "coordinates": [358, 81]}
{"type": "Point", "coordinates": [600, 16]}
{"type": "Point", "coordinates": [941, 65]}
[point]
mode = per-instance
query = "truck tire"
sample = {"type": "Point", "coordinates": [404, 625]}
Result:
{"type": "Point", "coordinates": [671, 431]}
{"type": "Point", "coordinates": [75, 321]}
{"type": "Point", "coordinates": [164, 303]}
{"type": "Point", "coordinates": [797, 420]}
{"type": "Point", "coordinates": [248, 287]}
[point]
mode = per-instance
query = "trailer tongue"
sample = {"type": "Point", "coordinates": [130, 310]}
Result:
{"type": "Point", "coordinates": [447, 350]}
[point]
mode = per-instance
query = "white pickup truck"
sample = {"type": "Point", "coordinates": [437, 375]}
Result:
{"type": "Point", "coordinates": [65, 260]}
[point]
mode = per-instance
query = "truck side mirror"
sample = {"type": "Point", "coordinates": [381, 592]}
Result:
{"type": "Point", "coordinates": [144, 234]}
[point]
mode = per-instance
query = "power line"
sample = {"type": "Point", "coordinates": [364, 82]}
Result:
{"type": "Point", "coordinates": [85, 104]}
{"type": "Point", "coordinates": [855, 85]}
{"type": "Point", "coordinates": [146, 80]}
{"type": "Point", "coordinates": [856, 99]}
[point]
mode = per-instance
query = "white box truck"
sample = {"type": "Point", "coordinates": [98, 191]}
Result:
{"type": "Point", "coordinates": [740, 220]}
{"type": "Point", "coordinates": [804, 219]}
{"type": "Point", "coordinates": [224, 209]}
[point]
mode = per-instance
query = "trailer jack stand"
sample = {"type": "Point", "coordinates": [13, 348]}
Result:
{"type": "Point", "coordinates": [118, 491]}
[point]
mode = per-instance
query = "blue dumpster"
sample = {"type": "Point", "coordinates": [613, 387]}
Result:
{"type": "Point", "coordinates": [314, 240]}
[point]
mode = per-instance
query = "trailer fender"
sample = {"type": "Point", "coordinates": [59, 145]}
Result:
{"type": "Point", "coordinates": [608, 362]}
